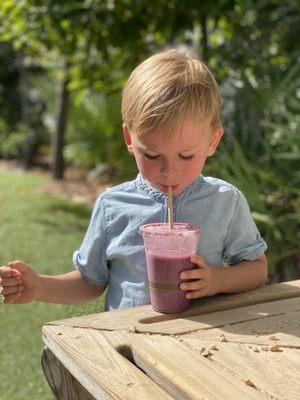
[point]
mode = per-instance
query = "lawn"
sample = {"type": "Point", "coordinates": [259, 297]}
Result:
{"type": "Point", "coordinates": [43, 231]}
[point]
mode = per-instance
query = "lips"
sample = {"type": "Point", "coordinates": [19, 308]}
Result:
{"type": "Point", "coordinates": [174, 187]}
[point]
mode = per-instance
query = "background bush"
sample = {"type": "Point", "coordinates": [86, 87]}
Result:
{"type": "Point", "coordinates": [89, 48]}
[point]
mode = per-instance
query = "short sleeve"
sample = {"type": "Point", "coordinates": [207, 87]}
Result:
{"type": "Point", "coordinates": [243, 240]}
{"type": "Point", "coordinates": [90, 258]}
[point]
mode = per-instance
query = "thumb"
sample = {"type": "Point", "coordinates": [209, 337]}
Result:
{"type": "Point", "coordinates": [198, 260]}
{"type": "Point", "coordinates": [19, 267]}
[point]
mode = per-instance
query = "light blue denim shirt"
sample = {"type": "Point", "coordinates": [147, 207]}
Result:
{"type": "Point", "coordinates": [112, 252]}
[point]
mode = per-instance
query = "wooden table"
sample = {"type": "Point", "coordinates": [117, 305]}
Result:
{"type": "Point", "coordinates": [244, 346]}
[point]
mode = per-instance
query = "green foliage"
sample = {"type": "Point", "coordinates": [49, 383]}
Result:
{"type": "Point", "coordinates": [263, 164]}
{"type": "Point", "coordinates": [274, 203]}
{"type": "Point", "coordinates": [96, 138]}
{"type": "Point", "coordinates": [256, 39]}
{"type": "Point", "coordinates": [24, 140]}
{"type": "Point", "coordinates": [12, 144]}
{"type": "Point", "coordinates": [94, 131]}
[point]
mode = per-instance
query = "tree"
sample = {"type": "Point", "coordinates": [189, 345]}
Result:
{"type": "Point", "coordinates": [95, 40]}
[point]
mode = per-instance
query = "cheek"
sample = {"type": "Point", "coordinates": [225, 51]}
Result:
{"type": "Point", "coordinates": [148, 169]}
{"type": "Point", "coordinates": [194, 169]}
{"type": "Point", "coordinates": [192, 172]}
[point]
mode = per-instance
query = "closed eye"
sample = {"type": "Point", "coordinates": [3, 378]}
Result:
{"type": "Point", "coordinates": [186, 158]}
{"type": "Point", "coordinates": [149, 157]}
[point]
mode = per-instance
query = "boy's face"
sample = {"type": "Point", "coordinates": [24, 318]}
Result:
{"type": "Point", "coordinates": [176, 161]}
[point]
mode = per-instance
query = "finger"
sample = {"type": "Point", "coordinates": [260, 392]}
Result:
{"type": "Point", "coordinates": [20, 266]}
{"type": "Point", "coordinates": [195, 285]}
{"type": "Point", "coordinates": [10, 281]}
{"type": "Point", "coordinates": [198, 260]}
{"type": "Point", "coordinates": [195, 273]}
{"type": "Point", "coordinates": [195, 294]}
{"type": "Point", "coordinates": [12, 298]}
{"type": "Point", "coordinates": [5, 291]}
{"type": "Point", "coordinates": [8, 272]}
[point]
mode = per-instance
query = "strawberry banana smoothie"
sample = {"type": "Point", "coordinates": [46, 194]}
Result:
{"type": "Point", "coordinates": [168, 253]}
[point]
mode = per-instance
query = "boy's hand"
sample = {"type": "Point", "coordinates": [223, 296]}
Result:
{"type": "Point", "coordinates": [19, 283]}
{"type": "Point", "coordinates": [206, 279]}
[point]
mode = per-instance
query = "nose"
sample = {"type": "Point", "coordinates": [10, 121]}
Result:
{"type": "Point", "coordinates": [169, 168]}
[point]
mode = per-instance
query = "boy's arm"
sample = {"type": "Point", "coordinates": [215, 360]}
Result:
{"type": "Point", "coordinates": [207, 280]}
{"type": "Point", "coordinates": [19, 283]}
{"type": "Point", "coordinates": [243, 276]}
{"type": "Point", "coordinates": [70, 288]}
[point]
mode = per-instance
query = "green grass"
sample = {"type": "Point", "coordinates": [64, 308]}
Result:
{"type": "Point", "coordinates": [43, 231]}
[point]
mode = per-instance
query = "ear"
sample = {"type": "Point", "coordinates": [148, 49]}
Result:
{"type": "Point", "coordinates": [215, 140]}
{"type": "Point", "coordinates": [127, 137]}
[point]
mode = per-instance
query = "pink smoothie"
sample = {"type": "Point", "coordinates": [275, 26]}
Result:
{"type": "Point", "coordinates": [168, 252]}
{"type": "Point", "coordinates": [164, 280]}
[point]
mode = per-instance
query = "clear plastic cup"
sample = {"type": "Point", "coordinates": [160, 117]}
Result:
{"type": "Point", "coordinates": [168, 252]}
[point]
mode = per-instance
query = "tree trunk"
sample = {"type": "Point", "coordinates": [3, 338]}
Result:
{"type": "Point", "coordinates": [26, 150]}
{"type": "Point", "coordinates": [203, 23]}
{"type": "Point", "coordinates": [59, 135]}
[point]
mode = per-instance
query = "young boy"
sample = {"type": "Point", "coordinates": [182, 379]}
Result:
{"type": "Point", "coordinates": [171, 114]}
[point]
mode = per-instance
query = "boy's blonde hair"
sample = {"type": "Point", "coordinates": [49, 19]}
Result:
{"type": "Point", "coordinates": [166, 88]}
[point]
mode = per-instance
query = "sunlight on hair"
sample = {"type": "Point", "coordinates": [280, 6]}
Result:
{"type": "Point", "coordinates": [167, 88]}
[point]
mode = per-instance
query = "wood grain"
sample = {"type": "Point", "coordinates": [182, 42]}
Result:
{"type": "Point", "coordinates": [203, 321]}
{"type": "Point", "coordinates": [63, 384]}
{"type": "Point", "coordinates": [181, 371]}
{"type": "Point", "coordinates": [91, 359]}
{"type": "Point", "coordinates": [140, 354]}
{"type": "Point", "coordinates": [283, 329]}
{"type": "Point", "coordinates": [146, 320]}
{"type": "Point", "coordinates": [276, 374]}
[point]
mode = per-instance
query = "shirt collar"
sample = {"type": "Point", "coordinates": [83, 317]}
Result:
{"type": "Point", "coordinates": [156, 194]}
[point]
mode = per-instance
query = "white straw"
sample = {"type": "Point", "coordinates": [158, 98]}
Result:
{"type": "Point", "coordinates": [170, 207]}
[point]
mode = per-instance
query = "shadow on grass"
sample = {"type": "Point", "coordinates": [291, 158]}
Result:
{"type": "Point", "coordinates": [62, 226]}
{"type": "Point", "coordinates": [65, 217]}
{"type": "Point", "coordinates": [78, 210]}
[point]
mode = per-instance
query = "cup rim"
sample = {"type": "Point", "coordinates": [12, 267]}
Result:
{"type": "Point", "coordinates": [165, 231]}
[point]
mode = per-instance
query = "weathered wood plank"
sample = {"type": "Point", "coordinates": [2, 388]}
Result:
{"type": "Point", "coordinates": [99, 352]}
{"type": "Point", "coordinates": [212, 320]}
{"type": "Point", "coordinates": [105, 373]}
{"type": "Point", "coordinates": [181, 371]}
{"type": "Point", "coordinates": [276, 374]}
{"type": "Point", "coordinates": [64, 386]}
{"type": "Point", "coordinates": [283, 330]}
{"type": "Point", "coordinates": [147, 320]}
{"type": "Point", "coordinates": [220, 318]}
